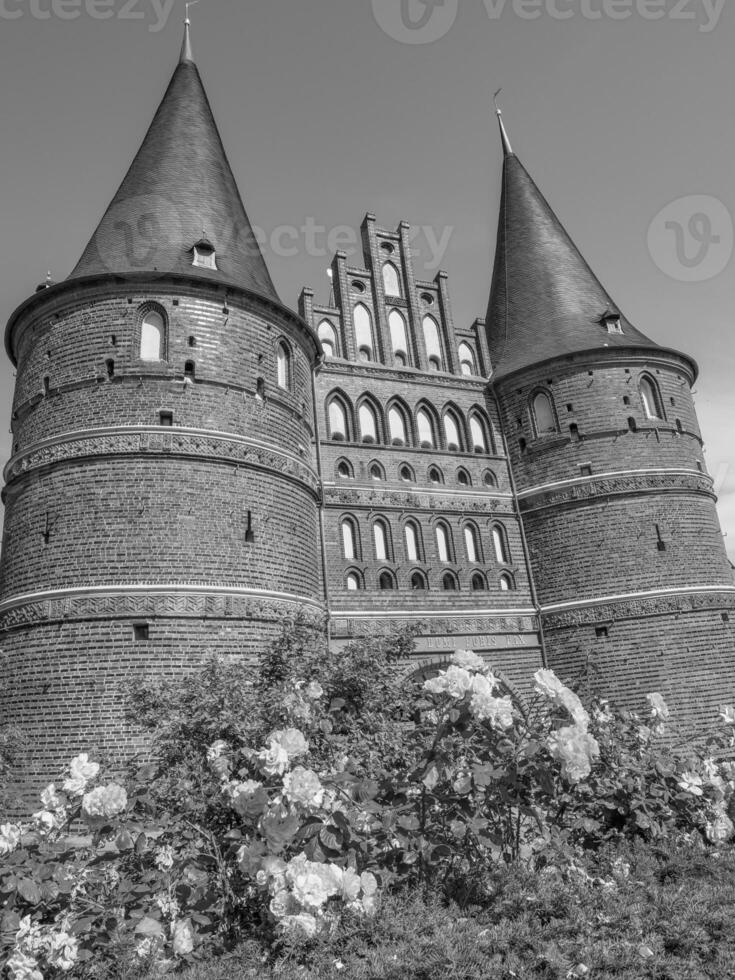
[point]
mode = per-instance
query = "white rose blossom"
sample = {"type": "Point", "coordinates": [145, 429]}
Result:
{"type": "Point", "coordinates": [10, 835]}
{"type": "Point", "coordinates": [104, 802]}
{"type": "Point", "coordinates": [182, 935]}
{"type": "Point", "coordinates": [659, 708]}
{"type": "Point", "coordinates": [20, 966]}
{"type": "Point", "coordinates": [314, 690]}
{"type": "Point", "coordinates": [720, 829]}
{"type": "Point", "coordinates": [576, 749]}
{"type": "Point", "coordinates": [62, 950]}
{"type": "Point", "coordinates": [50, 798]}
{"type": "Point", "coordinates": [454, 681]}
{"type": "Point", "coordinates": [468, 660]}
{"type": "Point", "coordinates": [302, 924]}
{"type": "Point", "coordinates": [549, 685]}
{"type": "Point", "coordinates": [81, 771]}
{"type": "Point", "coordinates": [304, 787]}
{"type": "Point", "coordinates": [691, 782]}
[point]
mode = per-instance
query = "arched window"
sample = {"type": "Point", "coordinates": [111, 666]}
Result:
{"type": "Point", "coordinates": [152, 331]}
{"type": "Point", "coordinates": [463, 478]}
{"type": "Point", "coordinates": [544, 416]}
{"type": "Point", "coordinates": [368, 423]}
{"type": "Point", "coordinates": [398, 337]}
{"type": "Point", "coordinates": [449, 582]}
{"type": "Point", "coordinates": [381, 542]}
{"type": "Point", "coordinates": [489, 479]}
{"type": "Point", "coordinates": [472, 544]}
{"type": "Point", "coordinates": [344, 470]}
{"type": "Point", "coordinates": [467, 360]}
{"type": "Point", "coordinates": [451, 431]}
{"type": "Point", "coordinates": [386, 582]}
{"type": "Point", "coordinates": [479, 435]}
{"type": "Point", "coordinates": [413, 551]}
{"type": "Point", "coordinates": [425, 429]}
{"type": "Point", "coordinates": [328, 337]}
{"type": "Point", "coordinates": [435, 475]}
{"type": "Point", "coordinates": [397, 426]}
{"type": "Point", "coordinates": [418, 582]}
{"type": "Point", "coordinates": [350, 540]}
{"type": "Point", "coordinates": [500, 544]}
{"type": "Point", "coordinates": [376, 471]}
{"type": "Point", "coordinates": [507, 583]}
{"type": "Point", "coordinates": [363, 332]}
{"type": "Point", "coordinates": [443, 543]}
{"type": "Point", "coordinates": [283, 363]}
{"type": "Point", "coordinates": [391, 282]}
{"type": "Point", "coordinates": [406, 473]}
{"type": "Point", "coordinates": [650, 398]}
{"type": "Point", "coordinates": [433, 344]}
{"type": "Point", "coordinates": [478, 582]}
{"type": "Point", "coordinates": [337, 421]}
{"type": "Point", "coordinates": [353, 582]}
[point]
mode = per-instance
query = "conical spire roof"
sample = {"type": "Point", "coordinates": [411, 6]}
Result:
{"type": "Point", "coordinates": [179, 191]}
{"type": "Point", "coordinates": [545, 299]}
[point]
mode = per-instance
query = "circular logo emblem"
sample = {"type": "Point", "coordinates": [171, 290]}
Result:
{"type": "Point", "coordinates": [141, 234]}
{"type": "Point", "coordinates": [415, 21]}
{"type": "Point", "coordinates": [691, 239]}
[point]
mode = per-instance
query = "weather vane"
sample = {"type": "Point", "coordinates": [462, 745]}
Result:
{"type": "Point", "coordinates": [189, 3]}
{"type": "Point", "coordinates": [495, 97]}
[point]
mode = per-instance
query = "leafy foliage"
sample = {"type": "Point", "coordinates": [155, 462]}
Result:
{"type": "Point", "coordinates": [284, 801]}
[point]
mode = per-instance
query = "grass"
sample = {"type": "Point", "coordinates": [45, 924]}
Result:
{"type": "Point", "coordinates": [668, 915]}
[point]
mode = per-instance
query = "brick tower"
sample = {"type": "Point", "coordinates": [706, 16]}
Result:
{"type": "Point", "coordinates": [161, 500]}
{"type": "Point", "coordinates": [635, 588]}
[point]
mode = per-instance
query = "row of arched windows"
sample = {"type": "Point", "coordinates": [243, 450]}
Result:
{"type": "Point", "coordinates": [545, 419]}
{"type": "Point", "coordinates": [344, 470]}
{"type": "Point", "coordinates": [399, 427]}
{"type": "Point", "coordinates": [153, 347]}
{"type": "Point", "coordinates": [398, 331]}
{"type": "Point", "coordinates": [387, 581]}
{"type": "Point", "coordinates": [381, 547]}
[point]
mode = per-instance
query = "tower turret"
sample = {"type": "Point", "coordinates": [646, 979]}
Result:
{"type": "Point", "coordinates": [161, 499]}
{"type": "Point", "coordinates": [626, 549]}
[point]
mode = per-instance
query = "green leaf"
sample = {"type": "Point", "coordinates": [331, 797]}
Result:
{"type": "Point", "coordinates": [29, 891]}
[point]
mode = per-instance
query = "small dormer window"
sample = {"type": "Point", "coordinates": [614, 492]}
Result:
{"type": "Point", "coordinates": [612, 322]}
{"type": "Point", "coordinates": [204, 254]}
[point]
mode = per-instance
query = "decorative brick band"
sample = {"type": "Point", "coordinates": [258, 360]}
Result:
{"type": "Point", "coordinates": [150, 440]}
{"type": "Point", "coordinates": [150, 601]}
{"type": "Point", "coordinates": [639, 607]}
{"type": "Point", "coordinates": [615, 484]}
{"type": "Point", "coordinates": [462, 503]}
{"type": "Point", "coordinates": [433, 625]}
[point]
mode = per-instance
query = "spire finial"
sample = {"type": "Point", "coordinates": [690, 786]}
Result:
{"type": "Point", "coordinates": [507, 148]}
{"type": "Point", "coordinates": [186, 54]}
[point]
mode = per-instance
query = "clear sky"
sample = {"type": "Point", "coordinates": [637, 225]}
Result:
{"type": "Point", "coordinates": [331, 108]}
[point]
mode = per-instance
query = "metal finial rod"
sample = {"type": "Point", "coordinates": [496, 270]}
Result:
{"type": "Point", "coordinates": [189, 3]}
{"type": "Point", "coordinates": [507, 148]}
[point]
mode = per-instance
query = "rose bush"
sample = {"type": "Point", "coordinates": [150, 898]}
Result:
{"type": "Point", "coordinates": [289, 795]}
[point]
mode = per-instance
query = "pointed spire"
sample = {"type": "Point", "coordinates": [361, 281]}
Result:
{"type": "Point", "coordinates": [545, 299]}
{"type": "Point", "coordinates": [186, 53]}
{"type": "Point", "coordinates": [507, 148]}
{"type": "Point", "coordinates": [179, 183]}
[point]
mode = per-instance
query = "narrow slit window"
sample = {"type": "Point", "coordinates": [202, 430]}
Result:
{"type": "Point", "coordinates": [472, 545]}
{"type": "Point", "coordinates": [433, 343]}
{"type": "Point", "coordinates": [363, 332]}
{"type": "Point", "coordinates": [398, 338]}
{"type": "Point", "coordinates": [328, 337]}
{"type": "Point", "coordinates": [451, 430]}
{"type": "Point", "coordinates": [283, 366]}
{"type": "Point", "coordinates": [467, 363]}
{"type": "Point", "coordinates": [500, 544]}
{"type": "Point", "coordinates": [426, 429]}
{"type": "Point", "coordinates": [391, 281]}
{"type": "Point", "coordinates": [349, 540]}
{"type": "Point", "coordinates": [412, 543]}
{"type": "Point", "coordinates": [337, 421]}
{"type": "Point", "coordinates": [479, 436]}
{"type": "Point", "coordinates": [397, 426]}
{"type": "Point", "coordinates": [380, 539]}
{"type": "Point", "coordinates": [442, 544]}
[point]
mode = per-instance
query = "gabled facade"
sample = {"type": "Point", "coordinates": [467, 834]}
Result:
{"type": "Point", "coordinates": [193, 462]}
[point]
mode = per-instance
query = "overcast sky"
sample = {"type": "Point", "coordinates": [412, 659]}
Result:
{"type": "Point", "coordinates": [331, 108]}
